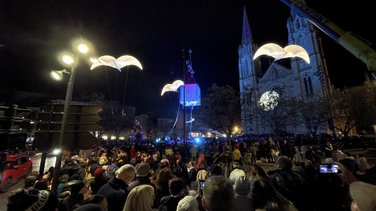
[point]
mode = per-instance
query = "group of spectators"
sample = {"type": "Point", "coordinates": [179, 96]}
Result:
{"type": "Point", "coordinates": [118, 176]}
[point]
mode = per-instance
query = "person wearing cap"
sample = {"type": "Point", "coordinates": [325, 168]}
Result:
{"type": "Point", "coordinates": [142, 175]}
{"type": "Point", "coordinates": [116, 189]}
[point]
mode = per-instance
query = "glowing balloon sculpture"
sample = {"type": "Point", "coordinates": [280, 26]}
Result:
{"type": "Point", "coordinates": [269, 100]}
{"type": "Point", "coordinates": [172, 87]}
{"type": "Point", "coordinates": [277, 52]}
{"type": "Point", "coordinates": [118, 63]}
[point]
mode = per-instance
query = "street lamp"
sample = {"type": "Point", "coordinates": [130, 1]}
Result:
{"type": "Point", "coordinates": [69, 60]}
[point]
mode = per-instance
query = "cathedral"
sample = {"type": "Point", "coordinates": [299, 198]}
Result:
{"type": "Point", "coordinates": [293, 78]}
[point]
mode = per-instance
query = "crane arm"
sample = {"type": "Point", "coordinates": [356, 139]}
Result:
{"type": "Point", "coordinates": [346, 39]}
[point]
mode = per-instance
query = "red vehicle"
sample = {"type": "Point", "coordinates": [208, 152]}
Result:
{"type": "Point", "coordinates": [14, 168]}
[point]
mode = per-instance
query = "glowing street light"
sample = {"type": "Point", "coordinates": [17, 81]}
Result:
{"type": "Point", "coordinates": [58, 74]}
{"type": "Point", "coordinates": [69, 60]}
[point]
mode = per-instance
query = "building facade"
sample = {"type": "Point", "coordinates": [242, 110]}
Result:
{"type": "Point", "coordinates": [290, 78]}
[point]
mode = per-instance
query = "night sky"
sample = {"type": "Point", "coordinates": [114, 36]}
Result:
{"type": "Point", "coordinates": [32, 33]}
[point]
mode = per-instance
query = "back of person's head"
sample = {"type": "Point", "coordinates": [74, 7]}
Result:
{"type": "Point", "coordinates": [140, 198]}
{"type": "Point", "coordinates": [176, 186]}
{"type": "Point", "coordinates": [32, 199]}
{"type": "Point", "coordinates": [215, 170]}
{"type": "Point", "coordinates": [75, 186]}
{"type": "Point", "coordinates": [163, 176]}
{"type": "Point", "coordinates": [30, 181]}
{"type": "Point", "coordinates": [126, 173]}
{"type": "Point", "coordinates": [364, 195]}
{"type": "Point", "coordinates": [98, 200]}
{"type": "Point", "coordinates": [188, 203]}
{"type": "Point", "coordinates": [218, 194]}
{"type": "Point", "coordinates": [242, 186]}
{"type": "Point", "coordinates": [236, 173]}
{"type": "Point", "coordinates": [284, 163]}
{"type": "Point", "coordinates": [362, 164]}
{"type": "Point", "coordinates": [265, 196]}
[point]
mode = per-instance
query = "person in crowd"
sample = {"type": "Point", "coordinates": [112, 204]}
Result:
{"type": "Point", "coordinates": [89, 207]}
{"type": "Point", "coordinates": [237, 156]}
{"type": "Point", "coordinates": [142, 175]}
{"type": "Point", "coordinates": [290, 183]}
{"type": "Point", "coordinates": [236, 173]}
{"type": "Point", "coordinates": [140, 199]}
{"type": "Point", "coordinates": [218, 194]}
{"type": "Point", "coordinates": [116, 189]}
{"type": "Point", "coordinates": [242, 188]}
{"type": "Point", "coordinates": [328, 150]}
{"type": "Point", "coordinates": [265, 197]}
{"type": "Point", "coordinates": [215, 169]}
{"type": "Point", "coordinates": [99, 200]}
{"type": "Point", "coordinates": [188, 203]}
{"type": "Point", "coordinates": [365, 173]}
{"type": "Point", "coordinates": [99, 180]}
{"type": "Point", "coordinates": [75, 198]}
{"type": "Point", "coordinates": [161, 184]}
{"type": "Point", "coordinates": [63, 180]}
{"type": "Point", "coordinates": [30, 198]}
{"type": "Point", "coordinates": [362, 193]}
{"type": "Point", "coordinates": [178, 190]}
{"type": "Point", "coordinates": [192, 173]}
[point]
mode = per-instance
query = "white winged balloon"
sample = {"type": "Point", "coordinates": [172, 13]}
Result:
{"type": "Point", "coordinates": [277, 52]}
{"type": "Point", "coordinates": [172, 87]}
{"type": "Point", "coordinates": [118, 63]}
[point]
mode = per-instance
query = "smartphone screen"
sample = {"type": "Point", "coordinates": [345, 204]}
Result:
{"type": "Point", "coordinates": [328, 168]}
{"type": "Point", "coordinates": [202, 183]}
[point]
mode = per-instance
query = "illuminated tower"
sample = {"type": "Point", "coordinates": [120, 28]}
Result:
{"type": "Point", "coordinates": [248, 71]}
{"type": "Point", "coordinates": [313, 78]}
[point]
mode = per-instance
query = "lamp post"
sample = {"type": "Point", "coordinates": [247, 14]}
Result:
{"type": "Point", "coordinates": [82, 48]}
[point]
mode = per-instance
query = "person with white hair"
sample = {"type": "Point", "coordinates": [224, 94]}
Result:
{"type": "Point", "coordinates": [140, 199]}
{"type": "Point", "coordinates": [188, 203]}
{"type": "Point", "coordinates": [116, 189]}
{"type": "Point", "coordinates": [235, 174]}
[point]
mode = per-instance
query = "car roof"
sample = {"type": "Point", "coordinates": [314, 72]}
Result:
{"type": "Point", "coordinates": [13, 157]}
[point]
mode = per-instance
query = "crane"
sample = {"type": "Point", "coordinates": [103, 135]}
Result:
{"type": "Point", "coordinates": [348, 40]}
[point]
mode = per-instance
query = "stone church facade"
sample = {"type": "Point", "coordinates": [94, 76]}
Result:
{"type": "Point", "coordinates": [290, 78]}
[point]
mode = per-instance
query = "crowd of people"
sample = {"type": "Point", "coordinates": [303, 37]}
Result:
{"type": "Point", "coordinates": [215, 176]}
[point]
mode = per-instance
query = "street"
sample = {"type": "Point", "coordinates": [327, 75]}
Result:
{"type": "Point", "coordinates": [50, 161]}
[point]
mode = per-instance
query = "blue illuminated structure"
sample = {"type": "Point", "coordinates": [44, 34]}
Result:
{"type": "Point", "coordinates": [191, 95]}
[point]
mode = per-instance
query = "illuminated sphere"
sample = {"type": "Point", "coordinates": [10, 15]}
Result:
{"type": "Point", "coordinates": [269, 100]}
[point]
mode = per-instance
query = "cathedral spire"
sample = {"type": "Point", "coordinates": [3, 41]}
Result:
{"type": "Point", "coordinates": [246, 35]}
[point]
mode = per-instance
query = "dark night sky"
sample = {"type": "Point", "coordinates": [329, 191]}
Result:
{"type": "Point", "coordinates": [32, 33]}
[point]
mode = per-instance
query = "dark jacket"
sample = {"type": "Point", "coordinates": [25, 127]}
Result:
{"type": "Point", "coordinates": [169, 203]}
{"type": "Point", "coordinates": [116, 192]}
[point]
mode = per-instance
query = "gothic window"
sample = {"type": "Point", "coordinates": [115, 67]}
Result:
{"type": "Point", "coordinates": [297, 24]}
{"type": "Point", "coordinates": [246, 70]}
{"type": "Point", "coordinates": [274, 74]}
{"type": "Point", "coordinates": [280, 90]}
{"type": "Point", "coordinates": [308, 86]}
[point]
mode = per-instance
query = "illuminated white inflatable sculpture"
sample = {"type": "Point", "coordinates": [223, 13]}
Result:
{"type": "Point", "coordinates": [118, 63]}
{"type": "Point", "coordinates": [277, 52]}
{"type": "Point", "coordinates": [172, 87]}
